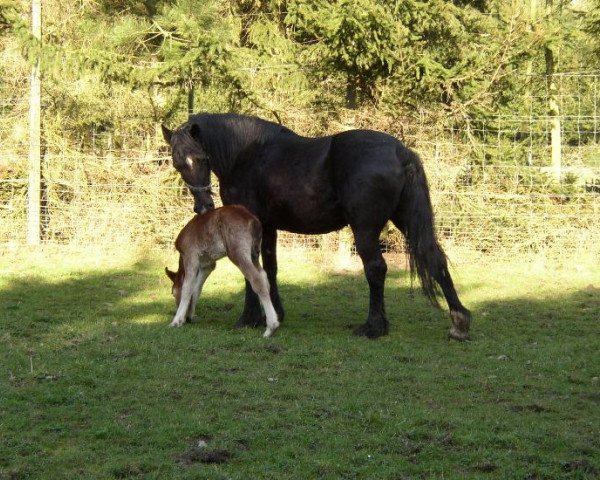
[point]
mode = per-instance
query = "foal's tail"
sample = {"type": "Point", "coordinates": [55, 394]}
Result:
{"type": "Point", "coordinates": [414, 217]}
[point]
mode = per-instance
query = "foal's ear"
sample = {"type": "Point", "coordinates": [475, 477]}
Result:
{"type": "Point", "coordinates": [167, 134]}
{"type": "Point", "coordinates": [171, 275]}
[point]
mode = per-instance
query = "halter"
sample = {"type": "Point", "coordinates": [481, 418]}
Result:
{"type": "Point", "coordinates": [193, 189]}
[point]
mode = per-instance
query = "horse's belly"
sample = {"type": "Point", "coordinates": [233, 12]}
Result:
{"type": "Point", "coordinates": [313, 221]}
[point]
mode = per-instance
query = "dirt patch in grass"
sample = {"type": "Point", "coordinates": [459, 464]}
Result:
{"type": "Point", "coordinates": [581, 465]}
{"type": "Point", "coordinates": [203, 455]}
{"type": "Point", "coordinates": [534, 407]}
{"type": "Point", "coordinates": [486, 467]}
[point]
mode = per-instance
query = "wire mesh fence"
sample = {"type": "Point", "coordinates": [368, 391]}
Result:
{"type": "Point", "coordinates": [492, 185]}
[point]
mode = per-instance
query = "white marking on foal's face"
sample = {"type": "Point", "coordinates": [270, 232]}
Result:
{"type": "Point", "coordinates": [189, 161]}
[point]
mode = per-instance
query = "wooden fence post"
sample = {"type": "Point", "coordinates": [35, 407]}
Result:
{"type": "Point", "coordinates": [34, 181]}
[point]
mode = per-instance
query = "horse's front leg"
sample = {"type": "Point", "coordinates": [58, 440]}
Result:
{"type": "Point", "coordinates": [252, 316]}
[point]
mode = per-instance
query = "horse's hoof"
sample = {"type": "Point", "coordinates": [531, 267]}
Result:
{"type": "Point", "coordinates": [461, 323]}
{"type": "Point", "coordinates": [369, 331]}
{"type": "Point", "coordinates": [176, 324]}
{"type": "Point", "coordinates": [459, 335]}
{"type": "Point", "coordinates": [251, 321]}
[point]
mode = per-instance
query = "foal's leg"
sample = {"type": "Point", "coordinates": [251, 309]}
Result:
{"type": "Point", "coordinates": [260, 284]}
{"type": "Point", "coordinates": [257, 278]}
{"type": "Point", "coordinates": [261, 287]}
{"type": "Point", "coordinates": [187, 292]}
{"type": "Point", "coordinates": [201, 277]}
{"type": "Point", "coordinates": [367, 246]}
{"type": "Point", "coordinates": [251, 316]}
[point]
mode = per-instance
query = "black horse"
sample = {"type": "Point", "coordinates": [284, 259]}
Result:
{"type": "Point", "coordinates": [305, 185]}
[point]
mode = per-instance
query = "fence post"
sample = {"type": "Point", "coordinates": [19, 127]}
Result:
{"type": "Point", "coordinates": [34, 180]}
{"type": "Point", "coordinates": [190, 100]}
{"type": "Point", "coordinates": [553, 106]}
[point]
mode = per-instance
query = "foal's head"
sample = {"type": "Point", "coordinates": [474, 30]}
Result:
{"type": "Point", "coordinates": [177, 279]}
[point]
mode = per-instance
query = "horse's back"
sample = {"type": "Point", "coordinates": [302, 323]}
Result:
{"type": "Point", "coordinates": [360, 156]}
{"type": "Point", "coordinates": [365, 145]}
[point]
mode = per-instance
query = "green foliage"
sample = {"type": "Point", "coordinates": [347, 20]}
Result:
{"type": "Point", "coordinates": [591, 26]}
{"type": "Point", "coordinates": [263, 56]}
{"type": "Point", "coordinates": [359, 39]}
{"type": "Point", "coordinates": [8, 15]}
{"type": "Point", "coordinates": [470, 74]}
{"type": "Point", "coordinates": [413, 50]}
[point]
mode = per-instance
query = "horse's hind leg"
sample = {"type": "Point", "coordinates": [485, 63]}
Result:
{"type": "Point", "coordinates": [459, 314]}
{"type": "Point", "coordinates": [435, 264]}
{"type": "Point", "coordinates": [367, 246]}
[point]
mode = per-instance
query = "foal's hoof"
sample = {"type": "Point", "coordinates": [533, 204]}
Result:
{"type": "Point", "coordinates": [270, 331]}
{"type": "Point", "coordinates": [370, 331]}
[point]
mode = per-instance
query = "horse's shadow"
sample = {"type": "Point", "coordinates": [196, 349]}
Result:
{"type": "Point", "coordinates": [138, 296]}
{"type": "Point", "coordinates": [34, 306]}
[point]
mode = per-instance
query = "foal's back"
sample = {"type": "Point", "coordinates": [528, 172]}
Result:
{"type": "Point", "coordinates": [220, 232]}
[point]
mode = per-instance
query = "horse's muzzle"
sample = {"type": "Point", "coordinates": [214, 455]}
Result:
{"type": "Point", "coordinates": [203, 208]}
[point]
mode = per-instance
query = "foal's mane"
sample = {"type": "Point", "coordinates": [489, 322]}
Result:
{"type": "Point", "coordinates": [225, 135]}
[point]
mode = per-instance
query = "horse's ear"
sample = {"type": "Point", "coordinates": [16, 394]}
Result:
{"type": "Point", "coordinates": [167, 134]}
{"type": "Point", "coordinates": [171, 275]}
{"type": "Point", "coordinates": [195, 131]}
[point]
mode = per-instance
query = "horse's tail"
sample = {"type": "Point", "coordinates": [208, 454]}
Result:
{"type": "Point", "coordinates": [414, 217]}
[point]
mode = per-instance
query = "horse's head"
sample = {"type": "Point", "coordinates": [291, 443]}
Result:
{"type": "Point", "coordinates": [177, 280]}
{"type": "Point", "coordinates": [191, 161]}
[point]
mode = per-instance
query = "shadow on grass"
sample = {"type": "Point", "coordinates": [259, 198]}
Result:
{"type": "Point", "coordinates": [97, 342]}
{"type": "Point", "coordinates": [34, 305]}
{"type": "Point", "coordinates": [140, 294]}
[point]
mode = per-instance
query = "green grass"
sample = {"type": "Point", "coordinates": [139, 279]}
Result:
{"type": "Point", "coordinates": [94, 385]}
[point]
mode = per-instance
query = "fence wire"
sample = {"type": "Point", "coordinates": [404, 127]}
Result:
{"type": "Point", "coordinates": [492, 185]}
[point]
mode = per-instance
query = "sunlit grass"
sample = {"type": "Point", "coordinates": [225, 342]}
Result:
{"type": "Point", "coordinates": [93, 384]}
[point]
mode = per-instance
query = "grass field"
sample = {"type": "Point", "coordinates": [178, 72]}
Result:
{"type": "Point", "coordinates": [94, 385]}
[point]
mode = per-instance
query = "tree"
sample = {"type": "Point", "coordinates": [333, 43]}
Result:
{"type": "Point", "coordinates": [590, 9]}
{"type": "Point", "coordinates": [358, 39]}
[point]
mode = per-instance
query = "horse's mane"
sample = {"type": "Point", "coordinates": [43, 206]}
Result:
{"type": "Point", "coordinates": [225, 135]}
